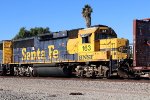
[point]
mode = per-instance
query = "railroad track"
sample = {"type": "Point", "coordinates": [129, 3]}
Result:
{"type": "Point", "coordinates": [82, 79]}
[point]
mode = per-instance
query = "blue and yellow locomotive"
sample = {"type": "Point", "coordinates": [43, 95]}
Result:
{"type": "Point", "coordinates": [90, 52]}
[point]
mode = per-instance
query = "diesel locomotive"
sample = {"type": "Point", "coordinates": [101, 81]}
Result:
{"type": "Point", "coordinates": [90, 52]}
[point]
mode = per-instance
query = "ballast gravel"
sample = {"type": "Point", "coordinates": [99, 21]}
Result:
{"type": "Point", "coordinates": [57, 89]}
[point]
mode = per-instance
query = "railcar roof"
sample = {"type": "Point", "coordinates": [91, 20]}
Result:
{"type": "Point", "coordinates": [25, 38]}
{"type": "Point", "coordinates": [58, 32]}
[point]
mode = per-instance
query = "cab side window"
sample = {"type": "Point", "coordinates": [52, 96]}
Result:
{"type": "Point", "coordinates": [86, 38]}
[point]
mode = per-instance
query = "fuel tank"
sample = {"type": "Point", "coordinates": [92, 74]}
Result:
{"type": "Point", "coordinates": [51, 70]}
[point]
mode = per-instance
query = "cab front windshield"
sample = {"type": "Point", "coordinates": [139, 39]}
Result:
{"type": "Point", "coordinates": [105, 34]}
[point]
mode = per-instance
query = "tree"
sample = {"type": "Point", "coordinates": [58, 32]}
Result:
{"type": "Point", "coordinates": [39, 30]}
{"type": "Point", "coordinates": [86, 13]}
{"type": "Point", "coordinates": [23, 33]}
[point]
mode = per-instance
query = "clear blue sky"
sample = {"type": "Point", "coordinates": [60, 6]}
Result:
{"type": "Point", "coordinates": [66, 14]}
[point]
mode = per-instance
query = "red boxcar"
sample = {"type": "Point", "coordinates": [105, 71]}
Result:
{"type": "Point", "coordinates": [141, 44]}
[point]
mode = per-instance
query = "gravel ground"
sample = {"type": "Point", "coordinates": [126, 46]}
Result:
{"type": "Point", "coordinates": [55, 89]}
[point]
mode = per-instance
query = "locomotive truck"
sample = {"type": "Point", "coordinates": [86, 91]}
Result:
{"type": "Point", "coordinates": [90, 52]}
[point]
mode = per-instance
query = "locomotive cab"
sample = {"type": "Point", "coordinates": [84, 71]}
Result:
{"type": "Point", "coordinates": [99, 43]}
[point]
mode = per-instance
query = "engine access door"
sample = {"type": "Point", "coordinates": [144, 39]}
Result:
{"type": "Point", "coordinates": [7, 52]}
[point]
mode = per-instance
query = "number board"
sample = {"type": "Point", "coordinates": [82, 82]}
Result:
{"type": "Point", "coordinates": [86, 47]}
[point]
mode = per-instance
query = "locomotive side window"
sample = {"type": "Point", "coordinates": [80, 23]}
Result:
{"type": "Point", "coordinates": [86, 38]}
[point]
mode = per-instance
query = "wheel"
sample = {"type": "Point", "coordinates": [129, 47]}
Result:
{"type": "Point", "coordinates": [12, 71]}
{"type": "Point", "coordinates": [137, 77]}
{"type": "Point", "coordinates": [81, 74]}
{"type": "Point", "coordinates": [108, 76]}
{"type": "Point", "coordinates": [4, 71]}
{"type": "Point", "coordinates": [93, 75]}
{"type": "Point", "coordinates": [34, 73]}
